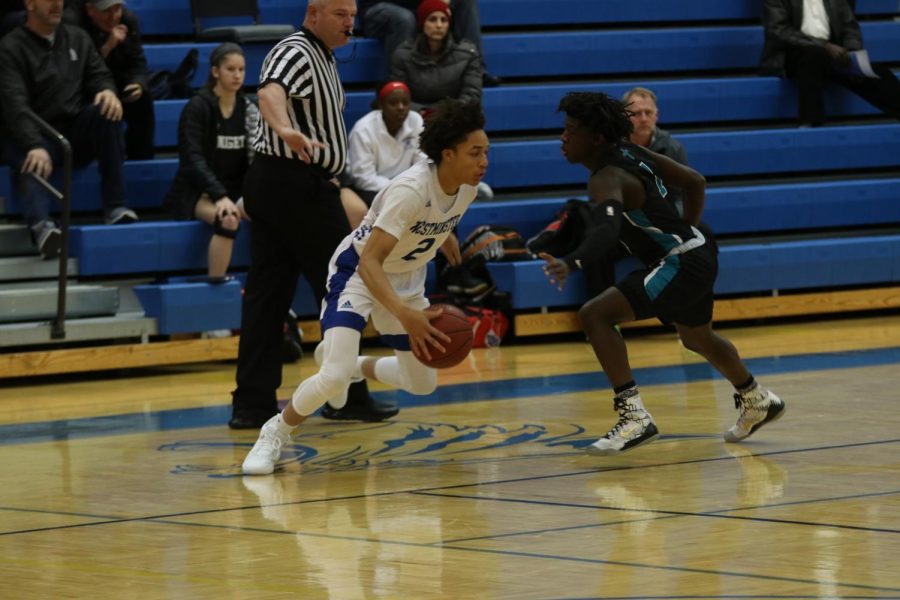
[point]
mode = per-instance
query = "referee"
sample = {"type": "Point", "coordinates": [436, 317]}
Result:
{"type": "Point", "coordinates": [292, 198]}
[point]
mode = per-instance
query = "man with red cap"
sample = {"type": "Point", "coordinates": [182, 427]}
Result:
{"type": "Point", "coordinates": [394, 21]}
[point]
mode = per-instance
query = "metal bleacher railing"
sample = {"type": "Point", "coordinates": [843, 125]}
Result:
{"type": "Point", "coordinates": [58, 329]}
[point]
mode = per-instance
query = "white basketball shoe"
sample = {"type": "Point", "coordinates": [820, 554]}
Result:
{"type": "Point", "coordinates": [266, 451]}
{"type": "Point", "coordinates": [635, 427]}
{"type": "Point", "coordinates": [758, 407]}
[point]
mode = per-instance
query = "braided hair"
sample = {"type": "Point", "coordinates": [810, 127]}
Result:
{"type": "Point", "coordinates": [599, 113]}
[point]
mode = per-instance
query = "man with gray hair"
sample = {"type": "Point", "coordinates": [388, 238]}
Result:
{"type": "Point", "coordinates": [641, 103]}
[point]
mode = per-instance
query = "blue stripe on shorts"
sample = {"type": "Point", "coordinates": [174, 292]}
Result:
{"type": "Point", "coordinates": [659, 280]}
{"type": "Point", "coordinates": [346, 263]}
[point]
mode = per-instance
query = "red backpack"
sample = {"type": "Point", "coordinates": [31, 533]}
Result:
{"type": "Point", "coordinates": [489, 326]}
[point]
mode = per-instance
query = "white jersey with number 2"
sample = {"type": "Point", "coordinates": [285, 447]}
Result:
{"type": "Point", "coordinates": [413, 209]}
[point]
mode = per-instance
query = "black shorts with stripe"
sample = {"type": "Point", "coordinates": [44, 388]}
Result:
{"type": "Point", "coordinates": [677, 289]}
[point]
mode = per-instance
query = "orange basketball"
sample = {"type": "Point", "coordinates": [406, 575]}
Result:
{"type": "Point", "coordinates": [457, 326]}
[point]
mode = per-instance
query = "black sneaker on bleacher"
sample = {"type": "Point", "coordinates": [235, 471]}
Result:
{"type": "Point", "coordinates": [48, 239]}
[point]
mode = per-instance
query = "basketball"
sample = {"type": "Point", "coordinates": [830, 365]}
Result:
{"type": "Point", "coordinates": [456, 325]}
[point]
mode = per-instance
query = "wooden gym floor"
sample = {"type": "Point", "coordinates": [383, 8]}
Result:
{"type": "Point", "coordinates": [127, 486]}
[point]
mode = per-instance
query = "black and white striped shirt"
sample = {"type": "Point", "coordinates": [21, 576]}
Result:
{"type": "Point", "coordinates": [306, 69]}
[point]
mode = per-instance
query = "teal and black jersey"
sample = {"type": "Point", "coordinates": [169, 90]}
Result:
{"type": "Point", "coordinates": [655, 229]}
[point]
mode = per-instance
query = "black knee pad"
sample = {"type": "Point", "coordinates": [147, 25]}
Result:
{"type": "Point", "coordinates": [219, 229]}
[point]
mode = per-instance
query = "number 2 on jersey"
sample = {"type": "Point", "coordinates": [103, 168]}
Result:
{"type": "Point", "coordinates": [424, 246]}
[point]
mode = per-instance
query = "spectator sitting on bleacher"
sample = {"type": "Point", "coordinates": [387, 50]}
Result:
{"type": "Point", "coordinates": [54, 70]}
{"type": "Point", "coordinates": [383, 144]}
{"type": "Point", "coordinates": [433, 65]}
{"type": "Point", "coordinates": [215, 145]}
{"type": "Point", "coordinates": [115, 32]}
{"type": "Point", "coordinates": [641, 103]}
{"type": "Point", "coordinates": [393, 22]}
{"type": "Point", "coordinates": [814, 47]}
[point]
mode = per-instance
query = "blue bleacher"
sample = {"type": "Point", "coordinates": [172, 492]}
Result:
{"type": "Point", "coordinates": [533, 107]}
{"type": "Point", "coordinates": [652, 50]}
{"type": "Point", "coordinates": [734, 210]}
{"type": "Point", "coordinates": [149, 247]}
{"type": "Point", "coordinates": [173, 17]}
{"type": "Point", "coordinates": [166, 247]}
{"type": "Point", "coordinates": [189, 307]}
{"type": "Point", "coordinates": [366, 65]}
{"type": "Point", "coordinates": [743, 268]}
{"type": "Point", "coordinates": [564, 53]}
{"type": "Point", "coordinates": [568, 12]}
{"type": "Point", "coordinates": [813, 263]}
{"type": "Point", "coordinates": [539, 163]}
{"type": "Point", "coordinates": [523, 164]}
{"type": "Point", "coordinates": [175, 246]}
{"type": "Point", "coordinates": [146, 184]}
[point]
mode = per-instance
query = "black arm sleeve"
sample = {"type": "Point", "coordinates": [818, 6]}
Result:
{"type": "Point", "coordinates": [601, 235]}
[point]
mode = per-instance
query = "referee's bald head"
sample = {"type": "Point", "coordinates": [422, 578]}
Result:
{"type": "Point", "coordinates": [331, 21]}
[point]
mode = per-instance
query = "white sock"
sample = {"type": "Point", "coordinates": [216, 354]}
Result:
{"type": "Point", "coordinates": [282, 427]}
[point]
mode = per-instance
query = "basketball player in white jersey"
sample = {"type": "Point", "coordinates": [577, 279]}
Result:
{"type": "Point", "coordinates": [379, 271]}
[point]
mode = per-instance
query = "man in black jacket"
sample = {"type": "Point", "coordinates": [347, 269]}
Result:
{"type": "Point", "coordinates": [55, 71]}
{"type": "Point", "coordinates": [115, 32]}
{"type": "Point", "coordinates": [812, 47]}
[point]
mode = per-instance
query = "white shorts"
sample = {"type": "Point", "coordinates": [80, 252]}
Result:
{"type": "Point", "coordinates": [349, 303]}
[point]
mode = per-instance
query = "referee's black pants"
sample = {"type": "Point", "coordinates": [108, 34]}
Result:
{"type": "Point", "coordinates": [812, 68]}
{"type": "Point", "coordinates": [297, 222]}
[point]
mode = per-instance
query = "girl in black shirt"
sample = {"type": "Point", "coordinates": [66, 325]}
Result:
{"type": "Point", "coordinates": [215, 135]}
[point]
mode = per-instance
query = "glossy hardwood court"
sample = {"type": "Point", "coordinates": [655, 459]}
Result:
{"type": "Point", "coordinates": [127, 486]}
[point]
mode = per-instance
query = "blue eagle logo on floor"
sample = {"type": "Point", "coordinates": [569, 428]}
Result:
{"type": "Point", "coordinates": [392, 444]}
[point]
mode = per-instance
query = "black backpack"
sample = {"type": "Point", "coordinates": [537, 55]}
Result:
{"type": "Point", "coordinates": [563, 234]}
{"type": "Point", "coordinates": [170, 85]}
{"type": "Point", "coordinates": [495, 243]}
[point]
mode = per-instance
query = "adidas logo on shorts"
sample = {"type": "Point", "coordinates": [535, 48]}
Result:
{"type": "Point", "coordinates": [346, 305]}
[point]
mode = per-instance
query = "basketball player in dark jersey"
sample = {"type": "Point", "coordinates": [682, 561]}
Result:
{"type": "Point", "coordinates": [628, 188]}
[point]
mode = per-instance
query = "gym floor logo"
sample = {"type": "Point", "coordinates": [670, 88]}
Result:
{"type": "Point", "coordinates": [391, 444]}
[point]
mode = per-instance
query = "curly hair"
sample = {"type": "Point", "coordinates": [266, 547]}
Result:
{"type": "Point", "coordinates": [448, 124]}
{"type": "Point", "coordinates": [599, 113]}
